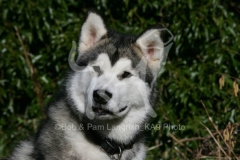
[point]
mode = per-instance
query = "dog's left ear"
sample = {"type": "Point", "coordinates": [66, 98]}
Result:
{"type": "Point", "coordinates": [92, 31]}
{"type": "Point", "coordinates": [152, 47]}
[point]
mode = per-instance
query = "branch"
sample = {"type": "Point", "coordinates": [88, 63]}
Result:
{"type": "Point", "coordinates": [32, 72]}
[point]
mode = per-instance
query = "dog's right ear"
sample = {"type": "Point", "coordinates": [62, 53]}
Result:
{"type": "Point", "coordinates": [92, 31]}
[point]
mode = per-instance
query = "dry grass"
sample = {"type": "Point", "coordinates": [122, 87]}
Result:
{"type": "Point", "coordinates": [220, 144]}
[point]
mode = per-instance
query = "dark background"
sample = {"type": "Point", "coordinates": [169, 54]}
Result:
{"type": "Point", "coordinates": [206, 48]}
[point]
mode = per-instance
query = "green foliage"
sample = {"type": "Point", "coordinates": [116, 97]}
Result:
{"type": "Point", "coordinates": [207, 38]}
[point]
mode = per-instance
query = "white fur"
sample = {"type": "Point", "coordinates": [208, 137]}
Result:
{"type": "Point", "coordinates": [86, 150]}
{"type": "Point", "coordinates": [23, 151]}
{"type": "Point", "coordinates": [75, 137]}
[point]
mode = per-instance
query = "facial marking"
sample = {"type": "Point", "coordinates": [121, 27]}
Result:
{"type": "Point", "coordinates": [98, 70]}
{"type": "Point", "coordinates": [103, 62]}
{"type": "Point", "coordinates": [122, 68]}
{"type": "Point", "coordinates": [123, 65]}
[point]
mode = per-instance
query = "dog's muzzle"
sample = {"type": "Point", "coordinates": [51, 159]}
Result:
{"type": "Point", "coordinates": [101, 99]}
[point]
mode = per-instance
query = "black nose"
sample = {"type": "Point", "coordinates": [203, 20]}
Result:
{"type": "Point", "coordinates": [101, 96]}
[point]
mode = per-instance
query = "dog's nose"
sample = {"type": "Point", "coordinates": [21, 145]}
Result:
{"type": "Point", "coordinates": [101, 96]}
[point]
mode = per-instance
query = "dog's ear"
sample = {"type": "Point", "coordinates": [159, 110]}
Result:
{"type": "Point", "coordinates": [92, 31]}
{"type": "Point", "coordinates": [152, 46]}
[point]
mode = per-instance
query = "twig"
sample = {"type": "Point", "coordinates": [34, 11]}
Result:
{"type": "Point", "coordinates": [220, 147]}
{"type": "Point", "coordinates": [210, 119]}
{"type": "Point", "coordinates": [237, 79]}
{"type": "Point", "coordinates": [32, 72]}
{"type": "Point", "coordinates": [153, 147]}
{"type": "Point", "coordinates": [219, 133]}
{"type": "Point", "coordinates": [179, 142]}
{"type": "Point", "coordinates": [192, 139]}
{"type": "Point", "coordinates": [182, 154]}
{"type": "Point", "coordinates": [231, 51]}
{"type": "Point", "coordinates": [175, 139]}
{"type": "Point", "coordinates": [24, 51]}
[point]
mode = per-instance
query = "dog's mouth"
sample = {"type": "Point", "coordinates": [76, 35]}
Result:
{"type": "Point", "coordinates": [102, 111]}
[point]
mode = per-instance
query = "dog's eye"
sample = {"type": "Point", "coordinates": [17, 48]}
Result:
{"type": "Point", "coordinates": [126, 75]}
{"type": "Point", "coordinates": [97, 69]}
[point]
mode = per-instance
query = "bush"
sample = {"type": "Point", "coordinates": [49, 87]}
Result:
{"type": "Point", "coordinates": [205, 52]}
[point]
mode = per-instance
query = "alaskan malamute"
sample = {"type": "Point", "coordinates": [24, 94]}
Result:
{"type": "Point", "coordinates": [106, 100]}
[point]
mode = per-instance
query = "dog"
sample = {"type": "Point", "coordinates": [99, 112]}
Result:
{"type": "Point", "coordinates": [107, 98]}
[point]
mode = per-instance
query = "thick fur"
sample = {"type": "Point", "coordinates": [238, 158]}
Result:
{"type": "Point", "coordinates": [124, 68]}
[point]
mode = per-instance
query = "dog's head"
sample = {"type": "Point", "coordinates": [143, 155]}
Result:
{"type": "Point", "coordinates": [118, 71]}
